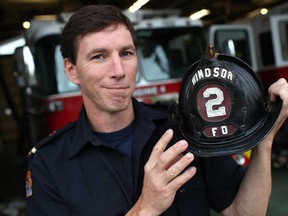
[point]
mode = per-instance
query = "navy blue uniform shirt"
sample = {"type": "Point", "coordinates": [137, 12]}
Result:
{"type": "Point", "coordinates": [73, 173]}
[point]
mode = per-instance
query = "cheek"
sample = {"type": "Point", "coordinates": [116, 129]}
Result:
{"type": "Point", "coordinates": [133, 71]}
{"type": "Point", "coordinates": [87, 74]}
{"type": "Point", "coordinates": [132, 75]}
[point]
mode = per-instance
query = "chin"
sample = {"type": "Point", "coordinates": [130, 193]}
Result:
{"type": "Point", "coordinates": [120, 104]}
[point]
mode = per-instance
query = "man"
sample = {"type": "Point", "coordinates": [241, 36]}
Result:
{"type": "Point", "coordinates": [115, 160]}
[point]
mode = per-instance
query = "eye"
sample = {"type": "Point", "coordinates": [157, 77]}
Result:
{"type": "Point", "coordinates": [98, 57]}
{"type": "Point", "coordinates": [126, 53]}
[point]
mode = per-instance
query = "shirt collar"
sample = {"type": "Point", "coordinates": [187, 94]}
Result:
{"type": "Point", "coordinates": [84, 133]}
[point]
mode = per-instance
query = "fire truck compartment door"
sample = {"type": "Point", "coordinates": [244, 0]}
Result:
{"type": "Point", "coordinates": [279, 29]}
{"type": "Point", "coordinates": [25, 67]}
{"type": "Point", "coordinates": [235, 40]}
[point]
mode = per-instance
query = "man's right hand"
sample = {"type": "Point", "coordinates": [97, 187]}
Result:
{"type": "Point", "coordinates": [164, 174]}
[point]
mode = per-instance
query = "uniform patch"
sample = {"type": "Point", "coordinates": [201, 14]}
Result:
{"type": "Point", "coordinates": [28, 184]}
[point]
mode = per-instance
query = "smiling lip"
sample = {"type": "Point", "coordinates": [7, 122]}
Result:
{"type": "Point", "coordinates": [117, 87]}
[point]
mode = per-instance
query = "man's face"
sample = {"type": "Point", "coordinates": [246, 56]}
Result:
{"type": "Point", "coordinates": [106, 68]}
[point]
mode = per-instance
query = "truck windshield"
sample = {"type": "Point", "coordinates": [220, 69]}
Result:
{"type": "Point", "coordinates": [50, 69]}
{"type": "Point", "coordinates": [283, 28]}
{"type": "Point", "coordinates": [166, 53]}
{"type": "Point", "coordinates": [63, 84]}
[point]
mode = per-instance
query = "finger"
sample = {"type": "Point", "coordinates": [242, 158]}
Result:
{"type": "Point", "coordinates": [171, 154]}
{"type": "Point", "coordinates": [160, 147]}
{"type": "Point", "coordinates": [174, 161]}
{"type": "Point", "coordinates": [181, 179]}
{"type": "Point", "coordinates": [281, 119]}
{"type": "Point", "coordinates": [279, 88]}
{"type": "Point", "coordinates": [179, 166]}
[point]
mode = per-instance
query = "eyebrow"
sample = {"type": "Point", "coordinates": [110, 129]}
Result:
{"type": "Point", "coordinates": [96, 50]}
{"type": "Point", "coordinates": [101, 50]}
{"type": "Point", "coordinates": [129, 47]}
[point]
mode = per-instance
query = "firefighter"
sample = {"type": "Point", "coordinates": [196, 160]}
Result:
{"type": "Point", "coordinates": [118, 158]}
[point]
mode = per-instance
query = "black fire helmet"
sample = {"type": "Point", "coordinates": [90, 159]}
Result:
{"type": "Point", "coordinates": [222, 107]}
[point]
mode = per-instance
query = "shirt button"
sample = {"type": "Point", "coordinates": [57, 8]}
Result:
{"type": "Point", "coordinates": [182, 190]}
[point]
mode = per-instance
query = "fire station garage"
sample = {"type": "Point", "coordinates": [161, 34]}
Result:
{"type": "Point", "coordinates": [36, 99]}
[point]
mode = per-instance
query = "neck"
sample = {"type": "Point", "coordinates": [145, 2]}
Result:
{"type": "Point", "coordinates": [103, 121]}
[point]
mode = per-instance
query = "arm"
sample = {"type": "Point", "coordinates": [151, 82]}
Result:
{"type": "Point", "coordinates": [254, 192]}
{"type": "Point", "coordinates": [42, 199]}
{"type": "Point", "coordinates": [163, 177]}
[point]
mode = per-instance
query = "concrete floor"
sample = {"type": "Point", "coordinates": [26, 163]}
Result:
{"type": "Point", "coordinates": [12, 185]}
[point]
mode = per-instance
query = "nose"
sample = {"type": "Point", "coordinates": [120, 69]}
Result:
{"type": "Point", "coordinates": [117, 68]}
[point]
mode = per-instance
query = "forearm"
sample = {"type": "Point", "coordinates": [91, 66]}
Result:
{"type": "Point", "coordinates": [254, 192]}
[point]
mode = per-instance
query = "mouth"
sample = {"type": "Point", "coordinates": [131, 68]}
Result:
{"type": "Point", "coordinates": [118, 90]}
{"type": "Point", "coordinates": [117, 87]}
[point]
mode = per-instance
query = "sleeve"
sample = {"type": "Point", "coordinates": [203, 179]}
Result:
{"type": "Point", "coordinates": [223, 177]}
{"type": "Point", "coordinates": [41, 194]}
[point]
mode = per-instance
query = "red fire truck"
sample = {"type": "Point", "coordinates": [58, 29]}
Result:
{"type": "Point", "coordinates": [168, 45]}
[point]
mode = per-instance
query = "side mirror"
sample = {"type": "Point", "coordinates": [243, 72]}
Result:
{"type": "Point", "coordinates": [25, 67]}
{"type": "Point", "coordinates": [230, 47]}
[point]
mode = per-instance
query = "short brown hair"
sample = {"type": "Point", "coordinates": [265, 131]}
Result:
{"type": "Point", "coordinates": [91, 18]}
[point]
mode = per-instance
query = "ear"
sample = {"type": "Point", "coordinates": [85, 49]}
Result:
{"type": "Point", "coordinates": [70, 70]}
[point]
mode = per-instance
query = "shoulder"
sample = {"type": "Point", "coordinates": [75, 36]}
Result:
{"type": "Point", "coordinates": [156, 107]}
{"type": "Point", "coordinates": [160, 105]}
{"type": "Point", "coordinates": [52, 138]}
{"type": "Point", "coordinates": [155, 110]}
